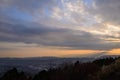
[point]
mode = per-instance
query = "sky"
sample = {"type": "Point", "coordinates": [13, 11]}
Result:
{"type": "Point", "coordinates": [35, 28]}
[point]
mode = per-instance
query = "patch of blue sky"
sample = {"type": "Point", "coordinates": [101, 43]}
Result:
{"type": "Point", "coordinates": [47, 12]}
{"type": "Point", "coordinates": [15, 13]}
{"type": "Point", "coordinates": [88, 3]}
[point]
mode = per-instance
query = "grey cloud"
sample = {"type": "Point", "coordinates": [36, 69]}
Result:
{"type": "Point", "coordinates": [12, 30]}
{"type": "Point", "coordinates": [108, 10]}
{"type": "Point", "coordinates": [33, 8]}
{"type": "Point", "coordinates": [4, 49]}
{"type": "Point", "coordinates": [56, 37]}
{"type": "Point", "coordinates": [27, 4]}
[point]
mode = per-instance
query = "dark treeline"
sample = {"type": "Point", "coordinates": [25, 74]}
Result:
{"type": "Point", "coordinates": [101, 69]}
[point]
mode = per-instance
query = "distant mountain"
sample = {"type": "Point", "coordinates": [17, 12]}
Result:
{"type": "Point", "coordinates": [90, 55]}
{"type": "Point", "coordinates": [107, 56]}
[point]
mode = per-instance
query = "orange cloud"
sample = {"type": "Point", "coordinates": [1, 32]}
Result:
{"type": "Point", "coordinates": [115, 52]}
{"type": "Point", "coordinates": [37, 52]}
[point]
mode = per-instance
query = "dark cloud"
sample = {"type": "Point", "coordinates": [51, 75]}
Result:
{"type": "Point", "coordinates": [56, 37]}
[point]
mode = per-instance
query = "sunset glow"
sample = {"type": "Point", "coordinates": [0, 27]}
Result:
{"type": "Point", "coordinates": [62, 28]}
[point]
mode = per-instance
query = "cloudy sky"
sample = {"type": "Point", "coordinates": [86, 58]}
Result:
{"type": "Point", "coordinates": [30, 28]}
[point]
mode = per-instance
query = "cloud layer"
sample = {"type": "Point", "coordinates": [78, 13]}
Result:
{"type": "Point", "coordinates": [68, 24]}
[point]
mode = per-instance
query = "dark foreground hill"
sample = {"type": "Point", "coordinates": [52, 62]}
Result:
{"type": "Point", "coordinates": [101, 69]}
